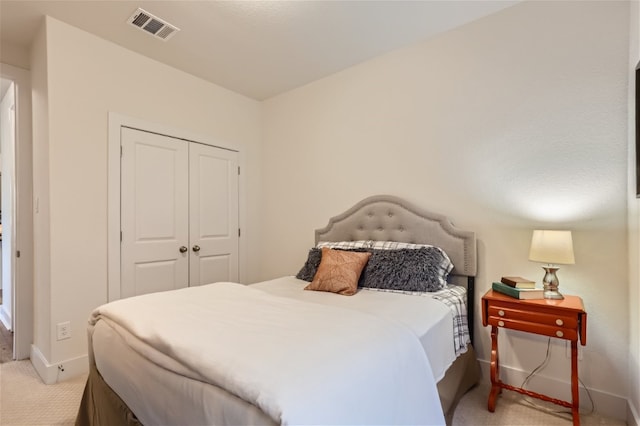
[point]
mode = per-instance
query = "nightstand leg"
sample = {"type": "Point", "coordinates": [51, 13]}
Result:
{"type": "Point", "coordinates": [495, 370]}
{"type": "Point", "coordinates": [574, 384]}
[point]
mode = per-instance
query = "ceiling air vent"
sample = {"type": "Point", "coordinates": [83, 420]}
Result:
{"type": "Point", "coordinates": [152, 24]}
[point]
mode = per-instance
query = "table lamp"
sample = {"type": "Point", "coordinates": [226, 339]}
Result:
{"type": "Point", "coordinates": [552, 248]}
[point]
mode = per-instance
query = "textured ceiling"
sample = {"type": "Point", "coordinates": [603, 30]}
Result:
{"type": "Point", "coordinates": [256, 48]}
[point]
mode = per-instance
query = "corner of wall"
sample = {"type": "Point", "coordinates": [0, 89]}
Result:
{"type": "Point", "coordinates": [633, 419]}
{"type": "Point", "coordinates": [15, 55]}
{"type": "Point", "coordinates": [40, 139]}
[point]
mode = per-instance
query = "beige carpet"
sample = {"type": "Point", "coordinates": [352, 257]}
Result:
{"type": "Point", "coordinates": [512, 409]}
{"type": "Point", "coordinates": [25, 400]}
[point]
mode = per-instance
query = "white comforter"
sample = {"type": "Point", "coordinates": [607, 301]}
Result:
{"type": "Point", "coordinates": [301, 363]}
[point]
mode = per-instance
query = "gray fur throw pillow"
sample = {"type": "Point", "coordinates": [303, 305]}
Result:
{"type": "Point", "coordinates": [423, 269]}
{"type": "Point", "coordinates": [308, 270]}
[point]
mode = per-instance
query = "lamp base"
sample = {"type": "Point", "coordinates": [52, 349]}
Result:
{"type": "Point", "coordinates": [550, 283]}
{"type": "Point", "coordinates": [552, 294]}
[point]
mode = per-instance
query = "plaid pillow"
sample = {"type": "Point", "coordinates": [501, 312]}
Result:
{"type": "Point", "coordinates": [344, 245]}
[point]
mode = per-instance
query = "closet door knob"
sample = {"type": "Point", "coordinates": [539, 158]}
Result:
{"type": "Point", "coordinates": [183, 249]}
{"type": "Point", "coordinates": [196, 248]}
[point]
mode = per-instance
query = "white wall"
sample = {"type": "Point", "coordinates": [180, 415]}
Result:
{"type": "Point", "coordinates": [515, 122]}
{"type": "Point", "coordinates": [634, 226]}
{"type": "Point", "coordinates": [81, 78]}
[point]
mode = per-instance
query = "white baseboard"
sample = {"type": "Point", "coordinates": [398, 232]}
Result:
{"type": "Point", "coordinates": [60, 371]}
{"type": "Point", "coordinates": [5, 317]}
{"type": "Point", "coordinates": [608, 405]}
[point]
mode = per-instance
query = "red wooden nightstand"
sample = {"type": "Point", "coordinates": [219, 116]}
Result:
{"type": "Point", "coordinates": [563, 319]}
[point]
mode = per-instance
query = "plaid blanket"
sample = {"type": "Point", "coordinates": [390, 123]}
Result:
{"type": "Point", "coordinates": [455, 297]}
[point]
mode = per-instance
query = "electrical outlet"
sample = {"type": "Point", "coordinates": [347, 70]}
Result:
{"type": "Point", "coordinates": [64, 330]}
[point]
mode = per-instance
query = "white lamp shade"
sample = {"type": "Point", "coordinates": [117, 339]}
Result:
{"type": "Point", "coordinates": [553, 247]}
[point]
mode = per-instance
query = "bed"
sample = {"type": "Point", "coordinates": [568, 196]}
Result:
{"type": "Point", "coordinates": [225, 353]}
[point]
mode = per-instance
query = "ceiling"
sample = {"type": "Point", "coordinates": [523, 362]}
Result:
{"type": "Point", "coordinates": [256, 48]}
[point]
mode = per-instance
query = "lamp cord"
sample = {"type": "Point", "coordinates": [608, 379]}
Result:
{"type": "Point", "coordinates": [539, 368]}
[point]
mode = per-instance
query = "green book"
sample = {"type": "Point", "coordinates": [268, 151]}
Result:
{"type": "Point", "coordinates": [518, 293]}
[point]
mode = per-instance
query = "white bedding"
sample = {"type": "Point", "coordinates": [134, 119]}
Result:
{"type": "Point", "coordinates": [250, 341]}
{"type": "Point", "coordinates": [431, 320]}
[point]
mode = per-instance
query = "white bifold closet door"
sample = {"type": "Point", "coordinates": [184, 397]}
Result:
{"type": "Point", "coordinates": [179, 213]}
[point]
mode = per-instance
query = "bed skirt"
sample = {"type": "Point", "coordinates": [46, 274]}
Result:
{"type": "Point", "coordinates": [100, 405]}
{"type": "Point", "coordinates": [463, 374]}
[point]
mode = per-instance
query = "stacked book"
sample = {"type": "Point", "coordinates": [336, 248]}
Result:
{"type": "Point", "coordinates": [518, 287]}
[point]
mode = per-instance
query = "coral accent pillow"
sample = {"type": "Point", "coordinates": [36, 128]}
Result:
{"type": "Point", "coordinates": [339, 271]}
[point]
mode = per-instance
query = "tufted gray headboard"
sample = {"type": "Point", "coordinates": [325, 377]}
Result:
{"type": "Point", "coordinates": [389, 218]}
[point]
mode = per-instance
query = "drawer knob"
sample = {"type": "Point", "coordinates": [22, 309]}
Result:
{"type": "Point", "coordinates": [559, 333]}
{"type": "Point", "coordinates": [501, 323]}
{"type": "Point", "coordinates": [501, 312]}
{"type": "Point", "coordinates": [559, 322]}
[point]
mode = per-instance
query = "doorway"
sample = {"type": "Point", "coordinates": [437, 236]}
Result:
{"type": "Point", "coordinates": [7, 166]}
{"type": "Point", "coordinates": [16, 201]}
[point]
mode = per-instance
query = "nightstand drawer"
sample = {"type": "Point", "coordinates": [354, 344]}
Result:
{"type": "Point", "coordinates": [556, 320]}
{"type": "Point", "coordinates": [533, 327]}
